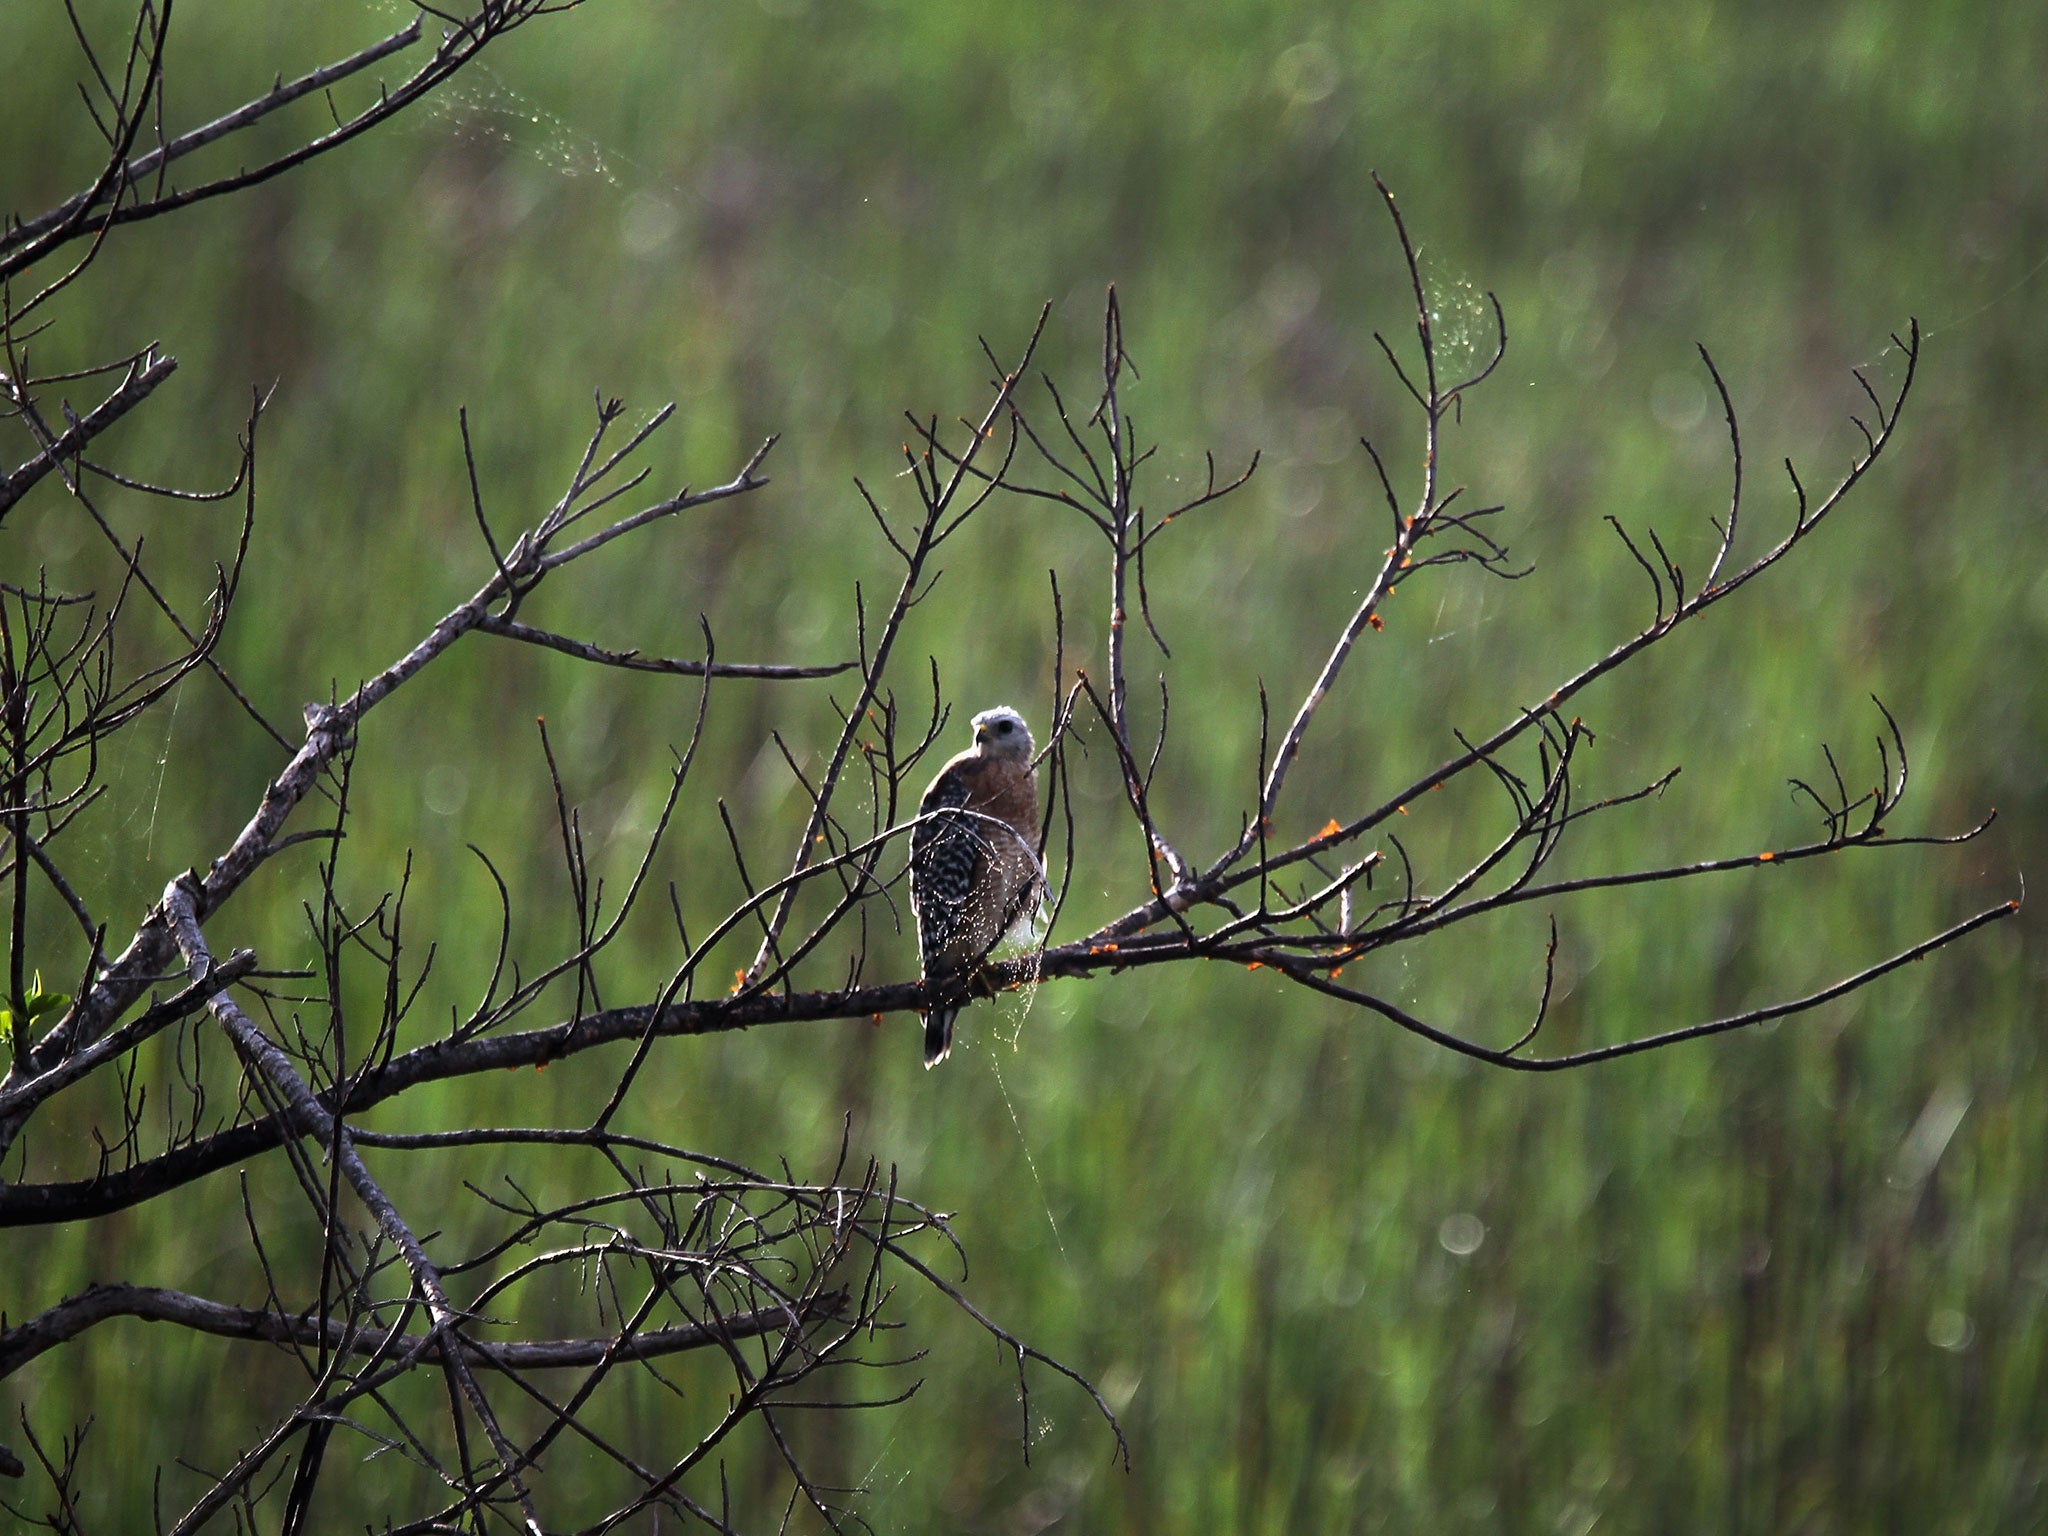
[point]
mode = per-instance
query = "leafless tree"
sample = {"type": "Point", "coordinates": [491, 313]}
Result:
{"type": "Point", "coordinates": [424, 1346]}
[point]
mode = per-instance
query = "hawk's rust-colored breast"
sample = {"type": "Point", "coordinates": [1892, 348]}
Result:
{"type": "Point", "coordinates": [1002, 790]}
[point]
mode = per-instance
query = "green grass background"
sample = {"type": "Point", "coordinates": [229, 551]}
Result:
{"type": "Point", "coordinates": [1742, 1286]}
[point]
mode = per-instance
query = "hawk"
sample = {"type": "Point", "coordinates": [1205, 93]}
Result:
{"type": "Point", "coordinates": [974, 870]}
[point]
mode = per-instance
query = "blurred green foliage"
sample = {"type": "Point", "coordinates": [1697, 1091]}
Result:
{"type": "Point", "coordinates": [1331, 1278]}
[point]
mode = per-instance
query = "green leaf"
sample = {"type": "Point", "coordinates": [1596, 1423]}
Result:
{"type": "Point", "coordinates": [36, 1004]}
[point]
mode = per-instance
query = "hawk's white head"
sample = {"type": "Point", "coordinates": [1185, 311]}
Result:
{"type": "Point", "coordinates": [1002, 733]}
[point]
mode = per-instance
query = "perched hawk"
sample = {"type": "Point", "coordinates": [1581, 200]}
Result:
{"type": "Point", "coordinates": [974, 870]}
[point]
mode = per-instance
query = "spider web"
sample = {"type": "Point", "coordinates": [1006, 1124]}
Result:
{"type": "Point", "coordinates": [1460, 321]}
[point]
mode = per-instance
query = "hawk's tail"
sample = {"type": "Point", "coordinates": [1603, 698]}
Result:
{"type": "Point", "coordinates": [938, 1035]}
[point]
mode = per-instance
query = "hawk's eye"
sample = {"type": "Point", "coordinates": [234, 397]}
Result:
{"type": "Point", "coordinates": [1003, 726]}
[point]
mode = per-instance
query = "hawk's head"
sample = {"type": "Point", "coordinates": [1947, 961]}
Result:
{"type": "Point", "coordinates": [1001, 732]}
